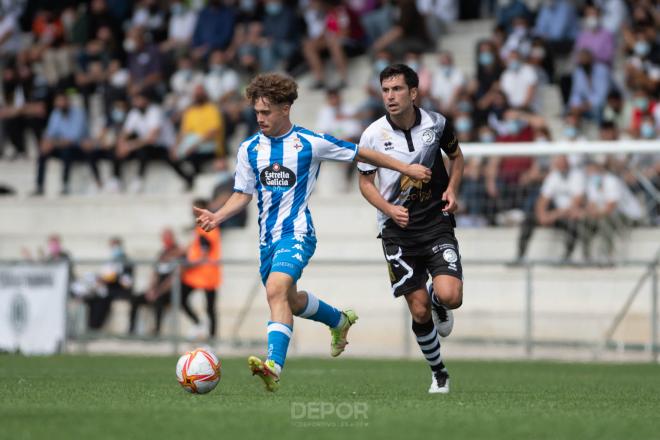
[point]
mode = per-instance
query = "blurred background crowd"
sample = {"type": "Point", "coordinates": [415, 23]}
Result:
{"type": "Point", "coordinates": [123, 81]}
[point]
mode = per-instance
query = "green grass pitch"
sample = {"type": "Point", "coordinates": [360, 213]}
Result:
{"type": "Point", "coordinates": [90, 397]}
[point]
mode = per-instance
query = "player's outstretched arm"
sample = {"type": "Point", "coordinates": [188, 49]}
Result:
{"type": "Point", "coordinates": [208, 220]}
{"type": "Point", "coordinates": [369, 191]}
{"type": "Point", "coordinates": [415, 171]}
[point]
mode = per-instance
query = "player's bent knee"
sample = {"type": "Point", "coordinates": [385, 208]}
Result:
{"type": "Point", "coordinates": [454, 299]}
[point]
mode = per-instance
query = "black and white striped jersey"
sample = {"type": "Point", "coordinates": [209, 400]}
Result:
{"type": "Point", "coordinates": [422, 144]}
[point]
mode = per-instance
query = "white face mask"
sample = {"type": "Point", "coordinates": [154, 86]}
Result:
{"type": "Point", "coordinates": [591, 22]}
{"type": "Point", "coordinates": [130, 45]}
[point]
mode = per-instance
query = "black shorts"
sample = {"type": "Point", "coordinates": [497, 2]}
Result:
{"type": "Point", "coordinates": [410, 264]}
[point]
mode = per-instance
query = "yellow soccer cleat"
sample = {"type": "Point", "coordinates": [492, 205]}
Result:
{"type": "Point", "coordinates": [339, 333]}
{"type": "Point", "coordinates": [266, 371]}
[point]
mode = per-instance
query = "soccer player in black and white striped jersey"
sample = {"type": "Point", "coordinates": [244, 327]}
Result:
{"type": "Point", "coordinates": [416, 217]}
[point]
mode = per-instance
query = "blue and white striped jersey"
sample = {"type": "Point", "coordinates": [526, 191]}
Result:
{"type": "Point", "coordinates": [283, 171]}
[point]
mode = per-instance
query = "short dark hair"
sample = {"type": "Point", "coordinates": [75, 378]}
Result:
{"type": "Point", "coordinates": [275, 87]}
{"type": "Point", "coordinates": [409, 75]}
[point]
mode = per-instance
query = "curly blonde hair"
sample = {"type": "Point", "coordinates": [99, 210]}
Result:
{"type": "Point", "coordinates": [275, 87]}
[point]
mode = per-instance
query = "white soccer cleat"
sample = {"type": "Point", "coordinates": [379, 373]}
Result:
{"type": "Point", "coordinates": [443, 318]}
{"type": "Point", "coordinates": [439, 383]}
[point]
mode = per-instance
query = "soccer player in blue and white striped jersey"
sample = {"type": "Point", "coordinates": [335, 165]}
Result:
{"type": "Point", "coordinates": [280, 164]}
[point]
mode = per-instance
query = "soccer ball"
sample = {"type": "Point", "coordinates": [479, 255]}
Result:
{"type": "Point", "coordinates": [198, 371]}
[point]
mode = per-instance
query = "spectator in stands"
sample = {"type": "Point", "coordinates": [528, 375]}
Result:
{"type": "Point", "coordinates": [99, 17]}
{"type": "Point", "coordinates": [590, 85]}
{"type": "Point", "coordinates": [614, 13]}
{"type": "Point", "coordinates": [378, 21]}
{"type": "Point", "coordinates": [643, 66]}
{"type": "Point", "coordinates": [519, 39]}
{"type": "Point", "coordinates": [448, 83]}
{"type": "Point", "coordinates": [519, 83]}
{"type": "Point", "coordinates": [180, 28]}
{"type": "Point", "coordinates": [406, 34]}
{"type": "Point", "coordinates": [159, 292]}
{"type": "Point", "coordinates": [614, 110]}
{"type": "Point", "coordinates": [438, 14]}
{"type": "Point", "coordinates": [342, 34]}
{"type": "Point", "coordinates": [647, 129]}
{"type": "Point", "coordinates": [103, 144]}
{"type": "Point", "coordinates": [182, 83]}
{"type": "Point", "coordinates": [203, 271]}
{"type": "Point", "coordinates": [221, 81]}
{"type": "Point", "coordinates": [280, 38]}
{"type": "Point", "coordinates": [26, 103]}
{"type": "Point", "coordinates": [49, 47]}
{"type": "Point", "coordinates": [489, 70]}
{"type": "Point", "coordinates": [542, 61]}
{"type": "Point", "coordinates": [201, 137]}
{"type": "Point", "coordinates": [63, 140]}
{"type": "Point", "coordinates": [610, 207]}
{"type": "Point", "coordinates": [595, 38]}
{"type": "Point", "coordinates": [214, 29]}
{"type": "Point", "coordinates": [147, 136]}
{"type": "Point", "coordinates": [144, 62]}
{"type": "Point", "coordinates": [415, 61]}
{"type": "Point", "coordinates": [642, 105]}
{"type": "Point", "coordinates": [508, 10]}
{"type": "Point", "coordinates": [559, 205]}
{"type": "Point", "coordinates": [464, 127]}
{"type": "Point", "coordinates": [557, 23]}
{"type": "Point", "coordinates": [114, 282]}
{"type": "Point", "coordinates": [10, 31]}
{"type": "Point", "coordinates": [149, 16]}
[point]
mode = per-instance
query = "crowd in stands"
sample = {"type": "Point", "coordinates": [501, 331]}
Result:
{"type": "Point", "coordinates": [161, 80]}
{"type": "Point", "coordinates": [115, 280]}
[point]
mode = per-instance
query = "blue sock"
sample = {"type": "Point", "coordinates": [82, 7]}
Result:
{"type": "Point", "coordinates": [317, 310]}
{"type": "Point", "coordinates": [279, 336]}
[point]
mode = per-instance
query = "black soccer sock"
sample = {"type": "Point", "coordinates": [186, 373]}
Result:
{"type": "Point", "coordinates": [429, 342]}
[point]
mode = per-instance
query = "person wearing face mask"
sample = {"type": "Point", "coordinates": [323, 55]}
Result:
{"type": "Point", "coordinates": [144, 60]}
{"type": "Point", "coordinates": [448, 82]}
{"type": "Point", "coordinates": [182, 84]}
{"type": "Point", "coordinates": [595, 38]}
{"type": "Point", "coordinates": [590, 84]}
{"type": "Point", "coordinates": [201, 136]}
{"type": "Point", "coordinates": [180, 27]}
{"type": "Point", "coordinates": [115, 281]}
{"type": "Point", "coordinates": [642, 105]}
{"type": "Point", "coordinates": [519, 82]}
{"type": "Point", "coordinates": [102, 145]}
{"type": "Point", "coordinates": [214, 28]}
{"type": "Point", "coordinates": [519, 39]}
{"type": "Point", "coordinates": [489, 70]}
{"type": "Point", "coordinates": [146, 136]}
{"type": "Point", "coordinates": [508, 10]}
{"type": "Point", "coordinates": [559, 205]}
{"type": "Point", "coordinates": [159, 292]}
{"type": "Point", "coordinates": [557, 23]}
{"type": "Point", "coordinates": [280, 35]}
{"type": "Point", "coordinates": [610, 206]}
{"type": "Point", "coordinates": [63, 140]}
{"type": "Point", "coordinates": [221, 81]}
{"type": "Point", "coordinates": [643, 64]}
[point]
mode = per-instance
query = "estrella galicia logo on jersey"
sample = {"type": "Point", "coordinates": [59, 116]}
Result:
{"type": "Point", "coordinates": [428, 136]}
{"type": "Point", "coordinates": [277, 178]}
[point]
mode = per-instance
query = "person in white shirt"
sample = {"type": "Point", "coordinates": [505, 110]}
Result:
{"type": "Point", "coordinates": [610, 206]}
{"type": "Point", "coordinates": [519, 82]}
{"type": "Point", "coordinates": [180, 27]}
{"type": "Point", "coordinates": [147, 135]}
{"type": "Point", "coordinates": [448, 82]}
{"type": "Point", "coordinates": [221, 81]}
{"type": "Point", "coordinates": [558, 206]}
{"type": "Point", "coordinates": [182, 83]}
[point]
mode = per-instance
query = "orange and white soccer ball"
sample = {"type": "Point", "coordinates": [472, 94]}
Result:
{"type": "Point", "coordinates": [198, 371]}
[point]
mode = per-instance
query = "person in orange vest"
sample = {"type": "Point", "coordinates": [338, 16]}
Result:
{"type": "Point", "coordinates": [203, 271]}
